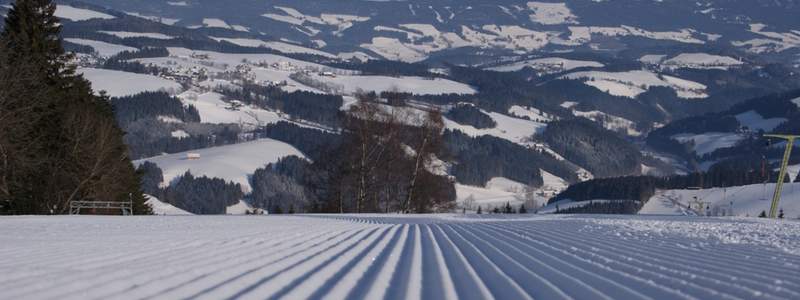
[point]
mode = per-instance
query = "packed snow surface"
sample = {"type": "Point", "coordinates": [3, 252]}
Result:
{"type": "Point", "coordinates": [118, 83]}
{"type": "Point", "coordinates": [231, 162]}
{"type": "Point", "coordinates": [398, 257]}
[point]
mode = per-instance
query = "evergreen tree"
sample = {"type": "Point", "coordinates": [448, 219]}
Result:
{"type": "Point", "coordinates": [70, 148]}
{"type": "Point", "coordinates": [522, 209]}
{"type": "Point", "coordinates": [480, 210]}
{"type": "Point", "coordinates": [763, 214]}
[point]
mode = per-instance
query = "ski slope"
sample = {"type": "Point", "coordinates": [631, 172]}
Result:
{"type": "Point", "coordinates": [748, 200]}
{"type": "Point", "coordinates": [398, 257]}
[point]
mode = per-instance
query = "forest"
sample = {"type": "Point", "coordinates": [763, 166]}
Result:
{"type": "Point", "coordinates": [59, 141]}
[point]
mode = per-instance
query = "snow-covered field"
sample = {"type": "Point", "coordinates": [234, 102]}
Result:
{"type": "Point", "coordinates": [79, 14]}
{"type": "Point", "coordinates": [231, 162]}
{"type": "Point", "coordinates": [398, 257]}
{"type": "Point", "coordinates": [119, 84]}
{"type": "Point", "coordinates": [632, 83]}
{"type": "Point", "coordinates": [560, 64]}
{"type": "Point", "coordinates": [102, 48]}
{"type": "Point", "coordinates": [709, 142]}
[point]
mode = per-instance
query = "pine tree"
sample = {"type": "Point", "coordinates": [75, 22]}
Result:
{"type": "Point", "coordinates": [522, 209]}
{"type": "Point", "coordinates": [480, 210]}
{"type": "Point", "coordinates": [71, 149]}
{"type": "Point", "coordinates": [763, 214]}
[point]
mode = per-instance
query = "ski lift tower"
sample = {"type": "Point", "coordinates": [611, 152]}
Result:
{"type": "Point", "coordinates": [776, 198]}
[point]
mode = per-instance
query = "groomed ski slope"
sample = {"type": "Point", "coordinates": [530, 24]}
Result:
{"type": "Point", "coordinates": [398, 257]}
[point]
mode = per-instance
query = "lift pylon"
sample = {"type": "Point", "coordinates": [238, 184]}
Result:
{"type": "Point", "coordinates": [776, 198]}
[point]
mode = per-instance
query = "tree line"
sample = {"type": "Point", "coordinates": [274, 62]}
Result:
{"type": "Point", "coordinates": [59, 142]}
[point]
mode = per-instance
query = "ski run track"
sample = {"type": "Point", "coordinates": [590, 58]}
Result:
{"type": "Point", "coordinates": [398, 257]}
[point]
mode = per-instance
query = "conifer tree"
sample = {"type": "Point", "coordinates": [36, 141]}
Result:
{"type": "Point", "coordinates": [67, 145]}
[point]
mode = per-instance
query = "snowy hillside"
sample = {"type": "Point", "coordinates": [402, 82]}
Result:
{"type": "Point", "coordinates": [232, 163]}
{"type": "Point", "coordinates": [119, 84]}
{"type": "Point", "coordinates": [632, 83]}
{"type": "Point", "coordinates": [164, 209]}
{"type": "Point", "coordinates": [748, 200]}
{"type": "Point", "coordinates": [398, 257]}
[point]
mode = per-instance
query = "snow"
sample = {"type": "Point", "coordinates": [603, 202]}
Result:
{"type": "Point", "coordinates": [652, 59]}
{"type": "Point", "coordinates": [128, 34]}
{"type": "Point", "coordinates": [583, 34]}
{"type": "Point", "coordinates": [230, 60]}
{"type": "Point", "coordinates": [632, 83]}
{"type": "Point", "coordinates": [410, 84]}
{"type": "Point", "coordinates": [561, 64]}
{"type": "Point", "coordinates": [118, 83]}
{"type": "Point", "coordinates": [610, 122]}
{"type": "Point", "coordinates": [749, 200]}
{"type": "Point", "coordinates": [240, 208]}
{"type": "Point", "coordinates": [294, 17]}
{"type": "Point", "coordinates": [509, 128]}
{"type": "Point", "coordinates": [796, 101]}
{"type": "Point", "coordinates": [531, 113]}
{"type": "Point", "coordinates": [394, 49]}
{"type": "Point", "coordinates": [179, 134]}
{"type": "Point", "coordinates": [702, 61]}
{"type": "Point", "coordinates": [425, 39]}
{"type": "Point", "coordinates": [792, 171]}
{"type": "Point", "coordinates": [505, 184]}
{"type": "Point", "coordinates": [484, 197]}
{"type": "Point", "coordinates": [164, 209]}
{"type": "Point", "coordinates": [79, 14]}
{"type": "Point", "coordinates": [279, 46]}
{"type": "Point", "coordinates": [398, 257]}
{"type": "Point", "coordinates": [358, 55]}
{"type": "Point", "coordinates": [769, 41]}
{"type": "Point", "coordinates": [756, 122]}
{"type": "Point", "coordinates": [709, 142]}
{"type": "Point", "coordinates": [167, 21]}
{"type": "Point", "coordinates": [551, 13]}
{"type": "Point", "coordinates": [103, 49]}
{"type": "Point", "coordinates": [552, 182]}
{"type": "Point", "coordinates": [231, 162]}
{"type": "Point", "coordinates": [213, 109]}
{"type": "Point", "coordinates": [182, 58]}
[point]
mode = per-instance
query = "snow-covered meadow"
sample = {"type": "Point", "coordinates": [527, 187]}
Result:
{"type": "Point", "coordinates": [398, 257]}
